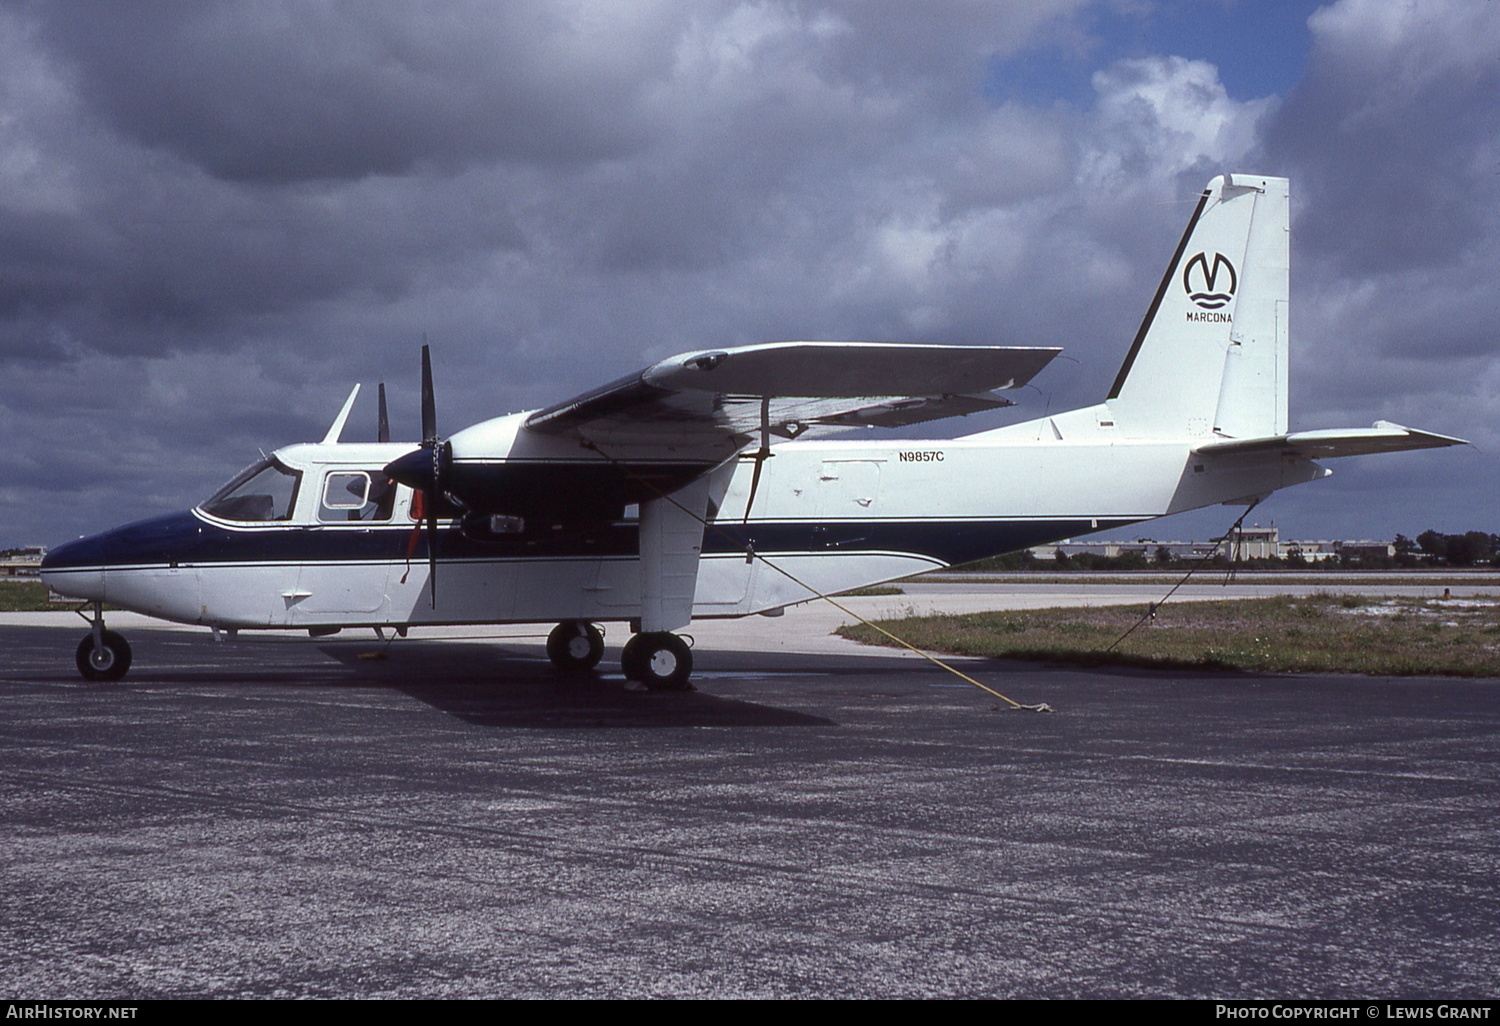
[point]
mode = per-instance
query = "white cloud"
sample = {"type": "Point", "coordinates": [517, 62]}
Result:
{"type": "Point", "coordinates": [1161, 116]}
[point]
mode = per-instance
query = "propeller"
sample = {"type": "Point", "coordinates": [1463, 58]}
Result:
{"type": "Point", "coordinates": [426, 469]}
{"type": "Point", "coordinates": [383, 430]}
{"type": "Point", "coordinates": [436, 450]}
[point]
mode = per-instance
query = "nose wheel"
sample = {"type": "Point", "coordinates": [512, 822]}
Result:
{"type": "Point", "coordinates": [575, 646]}
{"type": "Point", "coordinates": [102, 654]}
{"type": "Point", "coordinates": [661, 661]}
{"type": "Point", "coordinates": [108, 658]}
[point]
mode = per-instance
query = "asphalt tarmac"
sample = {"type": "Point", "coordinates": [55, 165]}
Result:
{"type": "Point", "coordinates": [282, 817]}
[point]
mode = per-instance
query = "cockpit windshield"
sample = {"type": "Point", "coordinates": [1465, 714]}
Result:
{"type": "Point", "coordinates": [266, 490]}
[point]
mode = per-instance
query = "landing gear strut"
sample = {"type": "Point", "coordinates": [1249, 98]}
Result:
{"type": "Point", "coordinates": [102, 654]}
{"type": "Point", "coordinates": [575, 646]}
{"type": "Point", "coordinates": [661, 661]}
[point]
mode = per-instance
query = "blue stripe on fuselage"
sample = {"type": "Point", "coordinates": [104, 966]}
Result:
{"type": "Point", "coordinates": [188, 539]}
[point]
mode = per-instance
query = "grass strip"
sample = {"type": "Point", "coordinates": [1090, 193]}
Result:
{"type": "Point", "coordinates": [1395, 636]}
{"type": "Point", "coordinates": [30, 596]}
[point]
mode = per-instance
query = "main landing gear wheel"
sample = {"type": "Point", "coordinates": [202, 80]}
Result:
{"type": "Point", "coordinates": [109, 661]}
{"type": "Point", "coordinates": [661, 661]}
{"type": "Point", "coordinates": [575, 646]}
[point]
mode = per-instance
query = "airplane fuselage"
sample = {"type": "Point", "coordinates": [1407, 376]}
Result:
{"type": "Point", "coordinates": [828, 515]}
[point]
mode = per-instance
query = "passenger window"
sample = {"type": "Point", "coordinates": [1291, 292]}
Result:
{"type": "Point", "coordinates": [357, 495]}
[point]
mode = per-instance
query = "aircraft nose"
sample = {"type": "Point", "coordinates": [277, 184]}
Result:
{"type": "Point", "coordinates": [75, 569]}
{"type": "Point", "coordinates": [84, 552]}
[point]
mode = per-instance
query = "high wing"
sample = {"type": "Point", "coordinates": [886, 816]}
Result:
{"type": "Point", "coordinates": [1382, 437]}
{"type": "Point", "coordinates": [656, 431]}
{"type": "Point", "coordinates": [728, 395]}
{"type": "Point", "coordinates": [653, 438]}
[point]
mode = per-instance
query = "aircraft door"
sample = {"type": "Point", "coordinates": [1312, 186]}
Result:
{"type": "Point", "coordinates": [346, 566]}
{"type": "Point", "coordinates": [848, 493]}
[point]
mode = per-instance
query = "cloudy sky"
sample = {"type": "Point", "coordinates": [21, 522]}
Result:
{"type": "Point", "coordinates": [214, 217]}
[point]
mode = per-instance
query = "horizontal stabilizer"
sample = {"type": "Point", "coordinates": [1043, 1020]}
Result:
{"type": "Point", "coordinates": [1383, 437]}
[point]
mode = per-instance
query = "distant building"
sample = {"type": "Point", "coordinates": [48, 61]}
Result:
{"type": "Point", "coordinates": [1357, 549]}
{"type": "Point", "coordinates": [1252, 543]}
{"type": "Point", "coordinates": [22, 562]}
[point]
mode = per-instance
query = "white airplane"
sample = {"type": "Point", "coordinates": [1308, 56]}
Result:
{"type": "Point", "coordinates": [706, 486]}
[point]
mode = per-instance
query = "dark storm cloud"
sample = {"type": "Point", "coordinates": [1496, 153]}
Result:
{"type": "Point", "coordinates": [215, 216]}
{"type": "Point", "coordinates": [292, 91]}
{"type": "Point", "coordinates": [1391, 143]}
{"type": "Point", "coordinates": [1391, 133]}
{"type": "Point", "coordinates": [48, 265]}
{"type": "Point", "coordinates": [145, 270]}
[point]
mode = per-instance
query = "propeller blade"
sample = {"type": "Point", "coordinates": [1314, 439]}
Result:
{"type": "Point", "coordinates": [432, 541]}
{"type": "Point", "coordinates": [383, 430]}
{"type": "Point", "coordinates": [429, 405]}
{"type": "Point", "coordinates": [425, 470]}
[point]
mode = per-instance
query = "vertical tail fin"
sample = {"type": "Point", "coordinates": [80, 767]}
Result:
{"type": "Point", "coordinates": [1210, 358]}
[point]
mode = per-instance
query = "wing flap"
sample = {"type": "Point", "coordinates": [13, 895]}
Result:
{"type": "Point", "coordinates": [899, 412]}
{"type": "Point", "coordinates": [1327, 444]}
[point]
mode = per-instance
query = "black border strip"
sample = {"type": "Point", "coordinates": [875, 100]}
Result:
{"type": "Point", "coordinates": [1161, 291]}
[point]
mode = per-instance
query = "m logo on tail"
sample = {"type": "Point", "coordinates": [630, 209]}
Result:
{"type": "Point", "coordinates": [1201, 287]}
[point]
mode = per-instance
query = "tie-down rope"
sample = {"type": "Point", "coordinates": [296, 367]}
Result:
{"type": "Point", "coordinates": [750, 553]}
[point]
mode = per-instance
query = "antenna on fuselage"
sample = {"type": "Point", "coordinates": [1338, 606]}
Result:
{"type": "Point", "coordinates": [383, 428]}
{"type": "Point", "coordinates": [337, 428]}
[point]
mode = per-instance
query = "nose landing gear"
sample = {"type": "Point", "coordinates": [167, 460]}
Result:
{"type": "Point", "coordinates": [102, 654]}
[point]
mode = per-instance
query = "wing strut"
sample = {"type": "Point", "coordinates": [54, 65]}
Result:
{"type": "Point", "coordinates": [760, 455]}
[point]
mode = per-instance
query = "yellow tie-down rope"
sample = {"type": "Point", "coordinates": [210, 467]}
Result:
{"type": "Point", "coordinates": [752, 554]}
{"type": "Point", "coordinates": [1039, 707]}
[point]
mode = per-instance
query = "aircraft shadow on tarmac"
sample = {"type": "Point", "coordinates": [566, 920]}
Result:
{"type": "Point", "coordinates": [481, 682]}
{"type": "Point", "coordinates": [488, 685]}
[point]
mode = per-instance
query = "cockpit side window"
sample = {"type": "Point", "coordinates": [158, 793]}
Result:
{"type": "Point", "coordinates": [357, 495]}
{"type": "Point", "coordinates": [262, 492]}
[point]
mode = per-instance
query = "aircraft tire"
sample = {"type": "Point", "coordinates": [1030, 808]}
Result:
{"type": "Point", "coordinates": [575, 646]}
{"type": "Point", "coordinates": [111, 662]}
{"type": "Point", "coordinates": [661, 661]}
{"type": "Point", "coordinates": [630, 658]}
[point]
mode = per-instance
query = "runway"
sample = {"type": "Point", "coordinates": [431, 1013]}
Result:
{"type": "Point", "coordinates": [282, 817]}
